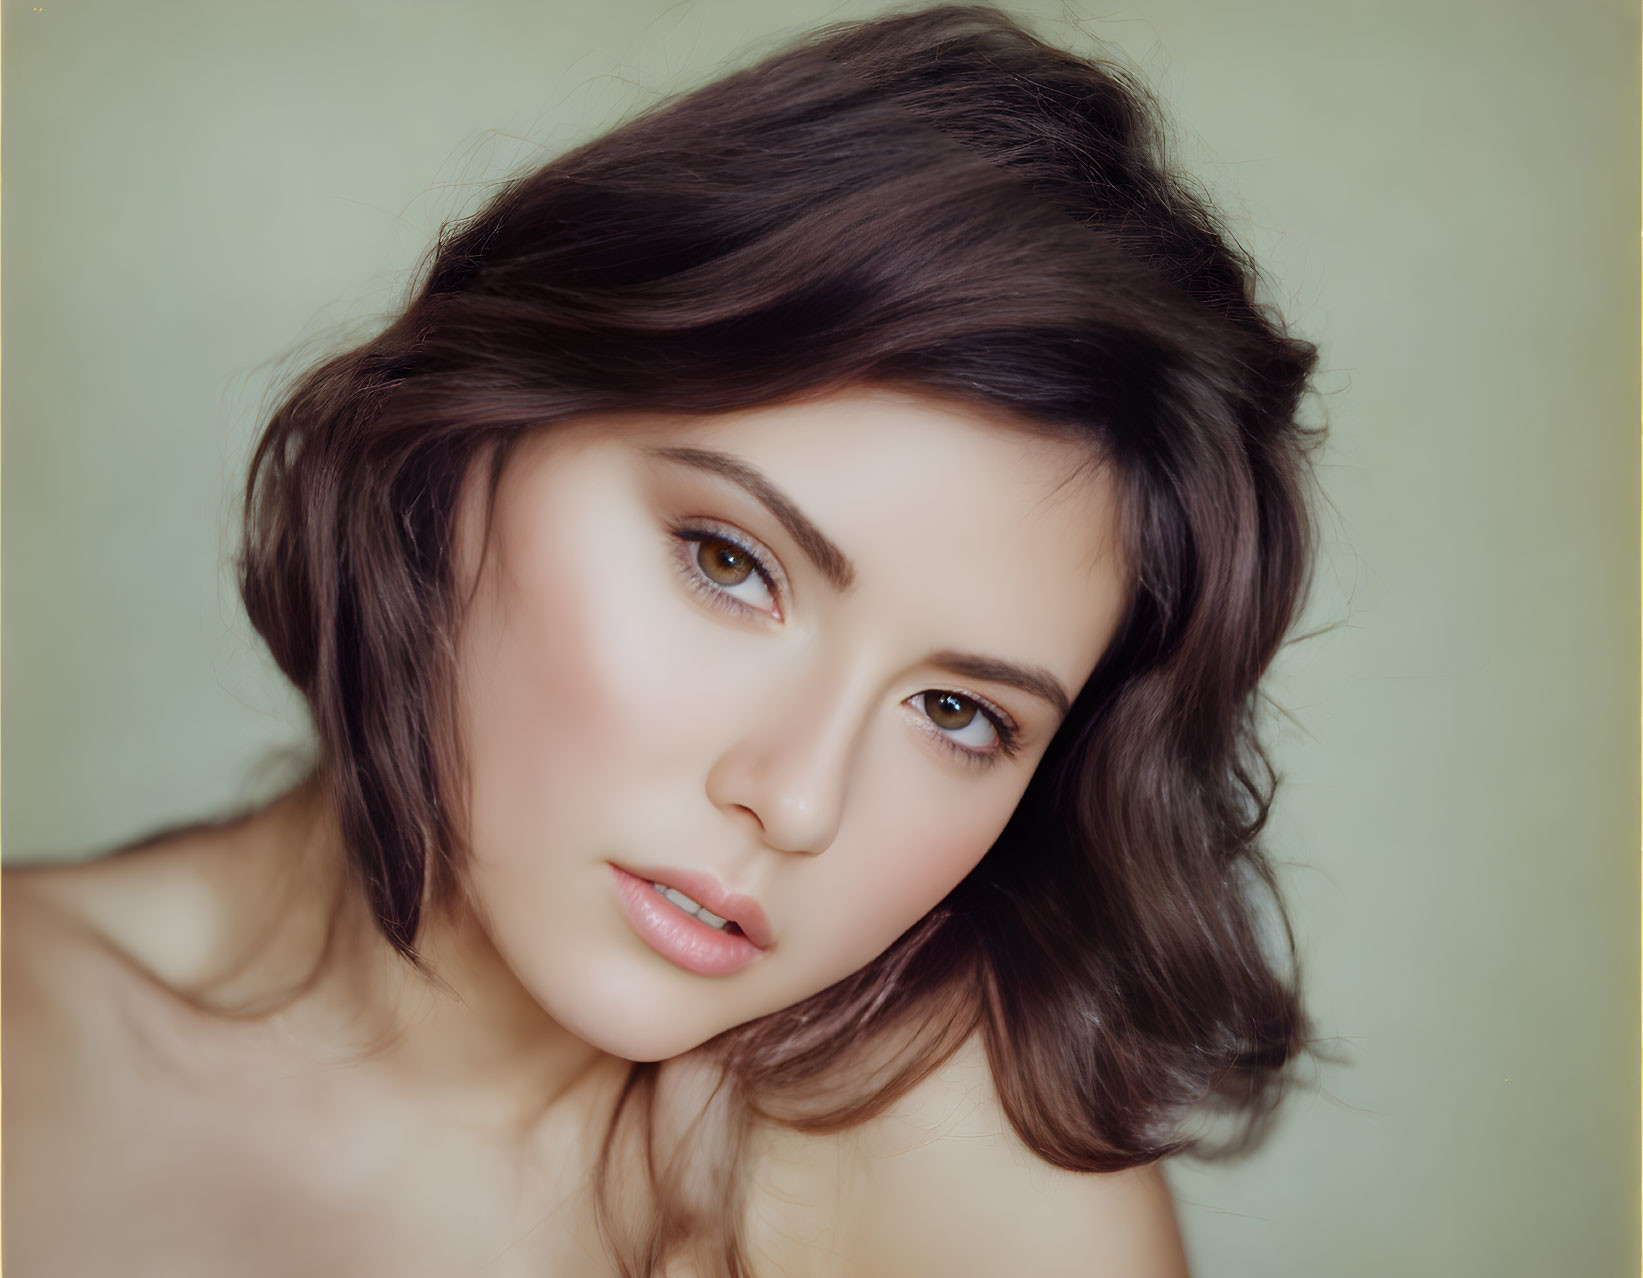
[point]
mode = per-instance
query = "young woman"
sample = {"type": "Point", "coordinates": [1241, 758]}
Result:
{"type": "Point", "coordinates": [781, 610]}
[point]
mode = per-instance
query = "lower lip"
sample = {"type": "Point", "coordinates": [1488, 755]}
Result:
{"type": "Point", "coordinates": [682, 940]}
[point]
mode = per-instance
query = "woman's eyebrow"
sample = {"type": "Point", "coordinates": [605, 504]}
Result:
{"type": "Point", "coordinates": [1033, 679]}
{"type": "Point", "coordinates": [836, 566]}
{"type": "Point", "coordinates": [829, 560]}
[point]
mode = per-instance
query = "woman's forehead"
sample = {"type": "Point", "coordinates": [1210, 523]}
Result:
{"type": "Point", "coordinates": [932, 469]}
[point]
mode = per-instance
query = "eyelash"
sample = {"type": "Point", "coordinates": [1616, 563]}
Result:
{"type": "Point", "coordinates": [688, 536]}
{"type": "Point", "coordinates": [1003, 727]}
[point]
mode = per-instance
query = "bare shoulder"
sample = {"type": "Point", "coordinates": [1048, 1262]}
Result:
{"type": "Point", "coordinates": [941, 1184]}
{"type": "Point", "coordinates": [946, 1186]}
{"type": "Point", "coordinates": [175, 914]}
{"type": "Point", "coordinates": [146, 911]}
{"type": "Point", "coordinates": [52, 943]}
{"type": "Point", "coordinates": [76, 1014]}
{"type": "Point", "coordinates": [100, 959]}
{"type": "Point", "coordinates": [79, 946]}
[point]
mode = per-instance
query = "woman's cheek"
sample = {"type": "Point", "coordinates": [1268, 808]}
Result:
{"type": "Point", "coordinates": [600, 647]}
{"type": "Point", "coordinates": [564, 683]}
{"type": "Point", "coordinates": [913, 849]}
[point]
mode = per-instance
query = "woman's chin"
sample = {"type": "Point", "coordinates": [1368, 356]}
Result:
{"type": "Point", "coordinates": [636, 1024]}
{"type": "Point", "coordinates": [618, 1035]}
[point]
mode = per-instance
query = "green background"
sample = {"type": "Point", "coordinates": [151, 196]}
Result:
{"type": "Point", "coordinates": [1446, 193]}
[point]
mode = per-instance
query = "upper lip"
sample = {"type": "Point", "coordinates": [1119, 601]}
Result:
{"type": "Point", "coordinates": [704, 889]}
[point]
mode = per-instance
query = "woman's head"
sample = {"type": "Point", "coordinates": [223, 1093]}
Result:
{"type": "Point", "coordinates": [928, 243]}
{"type": "Point", "coordinates": [809, 651]}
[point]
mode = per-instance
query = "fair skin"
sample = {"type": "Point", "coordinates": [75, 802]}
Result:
{"type": "Point", "coordinates": [811, 652]}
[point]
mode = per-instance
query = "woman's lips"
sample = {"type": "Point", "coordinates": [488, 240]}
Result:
{"type": "Point", "coordinates": [706, 890]}
{"type": "Point", "coordinates": [684, 941]}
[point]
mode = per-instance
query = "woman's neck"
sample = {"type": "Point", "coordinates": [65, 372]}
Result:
{"type": "Point", "coordinates": [462, 1033]}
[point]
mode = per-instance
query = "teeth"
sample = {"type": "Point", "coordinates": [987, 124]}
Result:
{"type": "Point", "coordinates": [681, 900]}
{"type": "Point", "coordinates": [690, 907]}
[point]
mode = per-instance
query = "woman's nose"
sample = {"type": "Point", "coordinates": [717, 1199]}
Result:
{"type": "Point", "coordinates": [790, 770]}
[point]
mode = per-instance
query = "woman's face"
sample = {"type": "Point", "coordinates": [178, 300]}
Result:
{"type": "Point", "coordinates": [806, 655]}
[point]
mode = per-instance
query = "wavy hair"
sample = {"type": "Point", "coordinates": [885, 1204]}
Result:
{"type": "Point", "coordinates": [938, 201]}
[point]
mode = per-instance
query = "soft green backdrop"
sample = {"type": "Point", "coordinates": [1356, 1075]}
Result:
{"type": "Point", "coordinates": [1447, 194]}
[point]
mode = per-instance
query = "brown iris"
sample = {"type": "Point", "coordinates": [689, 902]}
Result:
{"type": "Point", "coordinates": [723, 561]}
{"type": "Point", "coordinates": [949, 710]}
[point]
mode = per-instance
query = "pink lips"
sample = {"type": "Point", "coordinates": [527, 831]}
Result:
{"type": "Point", "coordinates": [686, 941]}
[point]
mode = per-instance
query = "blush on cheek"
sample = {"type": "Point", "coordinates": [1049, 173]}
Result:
{"type": "Point", "coordinates": [574, 676]}
{"type": "Point", "coordinates": [580, 611]}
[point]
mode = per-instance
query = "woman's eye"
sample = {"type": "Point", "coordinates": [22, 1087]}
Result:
{"type": "Point", "coordinates": [962, 721]}
{"type": "Point", "coordinates": [724, 561]}
{"type": "Point", "coordinates": [726, 571]}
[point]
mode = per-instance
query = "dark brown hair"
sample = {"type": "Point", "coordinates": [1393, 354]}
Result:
{"type": "Point", "coordinates": [938, 201]}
